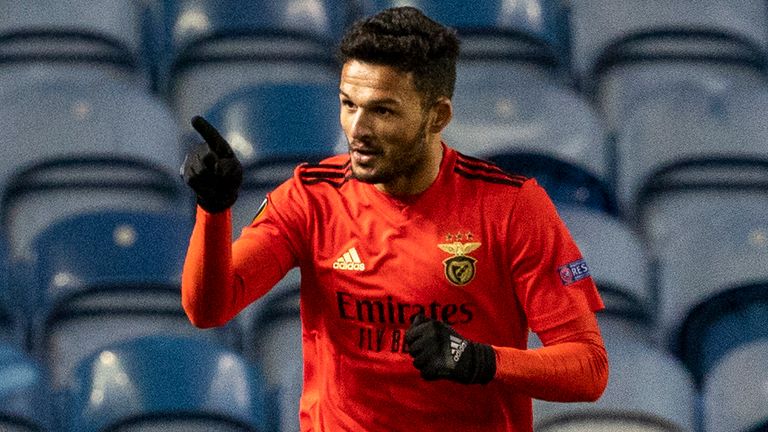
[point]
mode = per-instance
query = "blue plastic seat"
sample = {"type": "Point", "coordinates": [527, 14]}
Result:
{"type": "Point", "coordinates": [621, 50]}
{"type": "Point", "coordinates": [106, 277]}
{"type": "Point", "coordinates": [682, 123]}
{"type": "Point", "coordinates": [74, 146]}
{"type": "Point", "coordinates": [734, 391]}
{"type": "Point", "coordinates": [166, 383]}
{"type": "Point", "coordinates": [564, 182]}
{"type": "Point", "coordinates": [214, 47]}
{"type": "Point", "coordinates": [273, 339]}
{"type": "Point", "coordinates": [648, 390]}
{"type": "Point", "coordinates": [702, 250]}
{"type": "Point", "coordinates": [618, 260]}
{"type": "Point", "coordinates": [47, 35]}
{"type": "Point", "coordinates": [721, 323]}
{"type": "Point", "coordinates": [530, 31]}
{"type": "Point", "coordinates": [24, 396]}
{"type": "Point", "coordinates": [497, 110]}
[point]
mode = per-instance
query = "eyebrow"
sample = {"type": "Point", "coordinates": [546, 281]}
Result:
{"type": "Point", "coordinates": [383, 101]}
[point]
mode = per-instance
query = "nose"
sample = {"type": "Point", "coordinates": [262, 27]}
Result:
{"type": "Point", "coordinates": [359, 127]}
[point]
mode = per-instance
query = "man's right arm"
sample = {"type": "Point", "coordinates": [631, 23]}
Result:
{"type": "Point", "coordinates": [220, 279]}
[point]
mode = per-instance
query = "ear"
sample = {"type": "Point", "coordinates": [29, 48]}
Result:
{"type": "Point", "coordinates": [442, 113]}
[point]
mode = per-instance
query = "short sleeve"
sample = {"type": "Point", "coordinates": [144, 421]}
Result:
{"type": "Point", "coordinates": [550, 276]}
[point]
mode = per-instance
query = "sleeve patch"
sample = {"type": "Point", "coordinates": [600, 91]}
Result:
{"type": "Point", "coordinates": [573, 272]}
{"type": "Point", "coordinates": [260, 211]}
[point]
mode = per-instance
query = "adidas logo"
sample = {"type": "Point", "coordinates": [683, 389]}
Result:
{"type": "Point", "coordinates": [349, 261]}
{"type": "Point", "coordinates": [458, 345]}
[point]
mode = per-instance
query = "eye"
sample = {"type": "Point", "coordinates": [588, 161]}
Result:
{"type": "Point", "coordinates": [347, 103]}
{"type": "Point", "coordinates": [382, 111]}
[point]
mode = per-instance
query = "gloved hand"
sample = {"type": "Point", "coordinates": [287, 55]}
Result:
{"type": "Point", "coordinates": [439, 352]}
{"type": "Point", "coordinates": [212, 169]}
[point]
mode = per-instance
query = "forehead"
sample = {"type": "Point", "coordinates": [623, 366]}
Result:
{"type": "Point", "coordinates": [368, 81]}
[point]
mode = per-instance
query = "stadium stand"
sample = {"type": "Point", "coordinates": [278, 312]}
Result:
{"type": "Point", "coordinates": [212, 48]}
{"type": "Point", "coordinates": [168, 384]}
{"type": "Point", "coordinates": [42, 36]}
{"type": "Point", "coordinates": [622, 49]}
{"type": "Point", "coordinates": [106, 277]}
{"type": "Point", "coordinates": [648, 390]}
{"type": "Point", "coordinates": [705, 223]}
{"type": "Point", "coordinates": [686, 122]}
{"type": "Point", "coordinates": [722, 323]}
{"type": "Point", "coordinates": [24, 396]}
{"type": "Point", "coordinates": [273, 340]}
{"type": "Point", "coordinates": [63, 136]}
{"type": "Point", "coordinates": [735, 391]}
{"type": "Point", "coordinates": [518, 111]}
{"type": "Point", "coordinates": [272, 128]}
{"type": "Point", "coordinates": [618, 260]}
{"type": "Point", "coordinates": [532, 32]}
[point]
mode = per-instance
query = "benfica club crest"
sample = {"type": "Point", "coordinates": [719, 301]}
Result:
{"type": "Point", "coordinates": [460, 268]}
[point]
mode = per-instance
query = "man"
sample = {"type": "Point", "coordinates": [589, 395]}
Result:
{"type": "Point", "coordinates": [422, 269]}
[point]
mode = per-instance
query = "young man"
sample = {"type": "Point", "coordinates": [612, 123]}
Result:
{"type": "Point", "coordinates": [422, 269]}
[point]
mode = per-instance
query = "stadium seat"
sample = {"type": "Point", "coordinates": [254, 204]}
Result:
{"type": "Point", "coordinates": [721, 323]}
{"type": "Point", "coordinates": [564, 182]}
{"type": "Point", "coordinates": [686, 122]}
{"type": "Point", "coordinates": [618, 260]}
{"type": "Point", "coordinates": [497, 110]}
{"type": "Point", "coordinates": [735, 391]}
{"type": "Point", "coordinates": [46, 35]}
{"type": "Point", "coordinates": [275, 121]}
{"type": "Point", "coordinates": [10, 330]}
{"type": "Point", "coordinates": [530, 31]}
{"type": "Point", "coordinates": [168, 384]}
{"type": "Point", "coordinates": [705, 223]}
{"type": "Point", "coordinates": [274, 340]}
{"type": "Point", "coordinates": [24, 396]}
{"type": "Point", "coordinates": [272, 129]}
{"type": "Point", "coordinates": [108, 277]}
{"type": "Point", "coordinates": [215, 47]}
{"type": "Point", "coordinates": [621, 49]}
{"type": "Point", "coordinates": [648, 390]}
{"type": "Point", "coordinates": [73, 146]}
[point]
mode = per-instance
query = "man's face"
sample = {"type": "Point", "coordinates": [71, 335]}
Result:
{"type": "Point", "coordinates": [385, 123]}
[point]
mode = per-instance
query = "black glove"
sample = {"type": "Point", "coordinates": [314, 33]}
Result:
{"type": "Point", "coordinates": [212, 169]}
{"type": "Point", "coordinates": [441, 353]}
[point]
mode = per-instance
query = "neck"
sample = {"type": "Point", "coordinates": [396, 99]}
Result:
{"type": "Point", "coordinates": [422, 178]}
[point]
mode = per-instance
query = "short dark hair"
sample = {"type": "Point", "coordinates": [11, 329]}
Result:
{"type": "Point", "coordinates": [409, 41]}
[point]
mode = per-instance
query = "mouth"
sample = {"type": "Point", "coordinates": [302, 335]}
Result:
{"type": "Point", "coordinates": [364, 155]}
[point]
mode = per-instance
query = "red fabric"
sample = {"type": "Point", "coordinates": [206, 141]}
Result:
{"type": "Point", "coordinates": [479, 249]}
{"type": "Point", "coordinates": [572, 365]}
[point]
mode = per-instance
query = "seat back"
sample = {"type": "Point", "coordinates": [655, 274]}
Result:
{"type": "Point", "coordinates": [274, 340]}
{"type": "Point", "coordinates": [702, 250]}
{"type": "Point", "coordinates": [618, 260]}
{"type": "Point", "coordinates": [734, 391]}
{"type": "Point", "coordinates": [534, 31]}
{"type": "Point", "coordinates": [167, 382]}
{"type": "Point", "coordinates": [719, 324]}
{"type": "Point", "coordinates": [499, 110]}
{"type": "Point", "coordinates": [24, 395]}
{"type": "Point", "coordinates": [78, 146]}
{"type": "Point", "coordinates": [75, 32]}
{"type": "Point", "coordinates": [648, 390]}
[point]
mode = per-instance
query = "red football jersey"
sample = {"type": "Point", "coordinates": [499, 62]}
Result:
{"type": "Point", "coordinates": [480, 249]}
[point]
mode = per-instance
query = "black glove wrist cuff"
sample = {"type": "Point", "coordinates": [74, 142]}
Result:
{"type": "Point", "coordinates": [485, 364]}
{"type": "Point", "coordinates": [217, 205]}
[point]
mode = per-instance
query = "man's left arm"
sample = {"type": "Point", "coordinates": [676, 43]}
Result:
{"type": "Point", "coordinates": [572, 365]}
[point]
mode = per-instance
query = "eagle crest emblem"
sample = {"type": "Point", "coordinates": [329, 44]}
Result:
{"type": "Point", "coordinates": [460, 268]}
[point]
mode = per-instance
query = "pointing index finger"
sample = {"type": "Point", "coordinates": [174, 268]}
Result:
{"type": "Point", "coordinates": [215, 141]}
